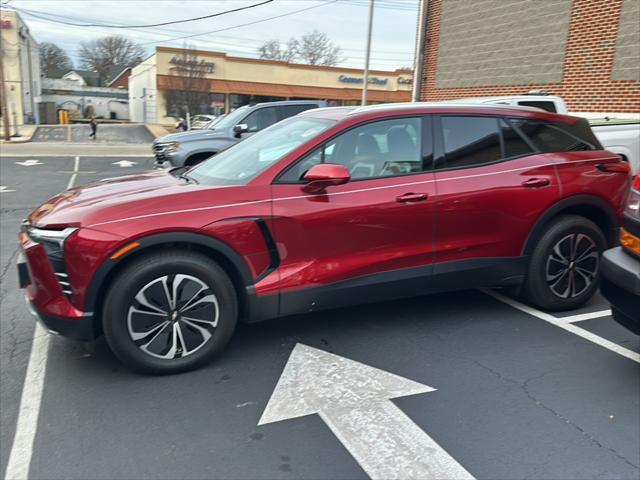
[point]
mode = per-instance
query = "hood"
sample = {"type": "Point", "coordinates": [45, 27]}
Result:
{"type": "Point", "coordinates": [190, 136]}
{"type": "Point", "coordinates": [123, 197]}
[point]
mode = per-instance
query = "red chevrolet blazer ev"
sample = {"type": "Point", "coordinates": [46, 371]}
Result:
{"type": "Point", "coordinates": [332, 207]}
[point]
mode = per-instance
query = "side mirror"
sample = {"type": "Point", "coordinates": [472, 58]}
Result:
{"type": "Point", "coordinates": [326, 175]}
{"type": "Point", "coordinates": [240, 129]}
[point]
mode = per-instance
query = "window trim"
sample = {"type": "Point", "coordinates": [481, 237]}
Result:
{"type": "Point", "coordinates": [424, 119]}
{"type": "Point", "coordinates": [440, 142]}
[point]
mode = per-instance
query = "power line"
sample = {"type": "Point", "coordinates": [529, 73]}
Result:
{"type": "Point", "coordinates": [104, 25]}
{"type": "Point", "coordinates": [244, 24]}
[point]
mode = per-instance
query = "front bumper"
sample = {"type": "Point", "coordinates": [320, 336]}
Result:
{"type": "Point", "coordinates": [620, 285]}
{"type": "Point", "coordinates": [82, 329]}
{"type": "Point", "coordinates": [45, 298]}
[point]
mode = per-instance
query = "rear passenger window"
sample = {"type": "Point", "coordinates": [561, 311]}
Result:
{"type": "Point", "coordinates": [470, 141]}
{"type": "Point", "coordinates": [514, 145]}
{"type": "Point", "coordinates": [291, 110]}
{"type": "Point", "coordinates": [548, 106]}
{"type": "Point", "coordinates": [552, 138]}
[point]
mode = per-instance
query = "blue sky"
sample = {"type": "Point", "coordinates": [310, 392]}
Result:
{"type": "Point", "coordinates": [345, 21]}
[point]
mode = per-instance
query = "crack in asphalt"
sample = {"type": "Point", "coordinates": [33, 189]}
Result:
{"type": "Point", "coordinates": [11, 319]}
{"type": "Point", "coordinates": [524, 386]}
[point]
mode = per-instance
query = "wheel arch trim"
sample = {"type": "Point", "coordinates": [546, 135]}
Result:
{"type": "Point", "coordinates": [106, 271]}
{"type": "Point", "coordinates": [568, 206]}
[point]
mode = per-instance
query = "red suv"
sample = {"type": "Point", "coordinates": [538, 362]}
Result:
{"type": "Point", "coordinates": [333, 207]}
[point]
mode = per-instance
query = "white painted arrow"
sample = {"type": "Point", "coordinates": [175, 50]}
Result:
{"type": "Point", "coordinates": [4, 189]}
{"type": "Point", "coordinates": [125, 163]}
{"type": "Point", "coordinates": [29, 163]}
{"type": "Point", "coordinates": [353, 399]}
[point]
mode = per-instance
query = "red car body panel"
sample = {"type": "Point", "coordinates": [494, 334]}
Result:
{"type": "Point", "coordinates": [289, 240]}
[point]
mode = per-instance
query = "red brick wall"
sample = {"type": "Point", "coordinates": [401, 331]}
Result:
{"type": "Point", "coordinates": [586, 84]}
{"type": "Point", "coordinates": [122, 81]}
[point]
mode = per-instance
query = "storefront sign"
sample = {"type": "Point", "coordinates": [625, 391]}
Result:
{"type": "Point", "coordinates": [372, 80]}
{"type": "Point", "coordinates": [5, 24]}
{"type": "Point", "coordinates": [192, 64]}
{"type": "Point", "coordinates": [405, 81]}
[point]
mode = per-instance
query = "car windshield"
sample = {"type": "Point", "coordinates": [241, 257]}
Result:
{"type": "Point", "coordinates": [212, 124]}
{"type": "Point", "coordinates": [231, 119]}
{"type": "Point", "coordinates": [245, 160]}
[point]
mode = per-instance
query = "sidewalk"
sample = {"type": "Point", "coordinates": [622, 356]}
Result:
{"type": "Point", "coordinates": [26, 132]}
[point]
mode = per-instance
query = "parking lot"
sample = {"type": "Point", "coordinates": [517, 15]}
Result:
{"type": "Point", "coordinates": [514, 392]}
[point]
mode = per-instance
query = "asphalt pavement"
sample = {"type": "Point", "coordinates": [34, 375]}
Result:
{"type": "Point", "coordinates": [515, 393]}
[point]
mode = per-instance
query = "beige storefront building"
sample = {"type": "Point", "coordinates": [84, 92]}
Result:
{"type": "Point", "coordinates": [20, 70]}
{"type": "Point", "coordinates": [157, 86]}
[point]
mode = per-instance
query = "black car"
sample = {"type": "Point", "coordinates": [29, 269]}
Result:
{"type": "Point", "coordinates": [620, 269]}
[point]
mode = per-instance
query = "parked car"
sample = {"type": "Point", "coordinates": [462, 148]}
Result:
{"type": "Point", "coordinates": [192, 147]}
{"type": "Point", "coordinates": [618, 135]}
{"type": "Point", "coordinates": [199, 122]}
{"type": "Point", "coordinates": [332, 207]}
{"type": "Point", "coordinates": [621, 267]}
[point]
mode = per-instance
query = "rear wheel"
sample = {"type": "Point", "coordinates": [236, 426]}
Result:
{"type": "Point", "coordinates": [564, 266]}
{"type": "Point", "coordinates": [169, 312]}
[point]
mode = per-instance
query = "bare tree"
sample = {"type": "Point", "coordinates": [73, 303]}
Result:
{"type": "Point", "coordinates": [314, 48]}
{"type": "Point", "coordinates": [187, 93]}
{"type": "Point", "coordinates": [317, 49]}
{"type": "Point", "coordinates": [53, 57]}
{"type": "Point", "coordinates": [273, 50]}
{"type": "Point", "coordinates": [104, 53]}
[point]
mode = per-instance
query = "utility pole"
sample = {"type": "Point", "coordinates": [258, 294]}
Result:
{"type": "Point", "coordinates": [365, 86]}
{"type": "Point", "coordinates": [3, 100]}
{"type": "Point", "coordinates": [418, 64]}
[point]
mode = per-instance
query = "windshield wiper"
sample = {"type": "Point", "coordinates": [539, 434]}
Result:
{"type": "Point", "coordinates": [188, 179]}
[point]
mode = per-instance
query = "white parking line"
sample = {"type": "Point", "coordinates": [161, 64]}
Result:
{"type": "Point", "coordinates": [587, 316]}
{"type": "Point", "coordinates": [565, 324]}
{"type": "Point", "coordinates": [31, 398]}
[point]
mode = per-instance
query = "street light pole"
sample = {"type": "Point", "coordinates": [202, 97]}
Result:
{"type": "Point", "coordinates": [365, 86]}
{"type": "Point", "coordinates": [3, 101]}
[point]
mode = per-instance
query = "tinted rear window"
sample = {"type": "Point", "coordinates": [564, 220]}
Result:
{"type": "Point", "coordinates": [551, 137]}
{"type": "Point", "coordinates": [548, 106]}
{"type": "Point", "coordinates": [291, 110]}
{"type": "Point", "coordinates": [470, 141]}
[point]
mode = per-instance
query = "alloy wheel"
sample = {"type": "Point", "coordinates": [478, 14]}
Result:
{"type": "Point", "coordinates": [173, 316]}
{"type": "Point", "coordinates": [572, 265]}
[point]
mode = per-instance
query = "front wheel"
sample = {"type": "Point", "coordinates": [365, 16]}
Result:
{"type": "Point", "coordinates": [169, 312]}
{"type": "Point", "coordinates": [564, 266]}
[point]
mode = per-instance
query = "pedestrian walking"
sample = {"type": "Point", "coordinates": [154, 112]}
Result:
{"type": "Point", "coordinates": [94, 127]}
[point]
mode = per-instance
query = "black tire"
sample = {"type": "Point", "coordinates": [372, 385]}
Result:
{"type": "Point", "coordinates": [545, 285]}
{"type": "Point", "coordinates": [179, 274]}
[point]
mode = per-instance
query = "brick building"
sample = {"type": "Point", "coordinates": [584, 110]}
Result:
{"type": "Point", "coordinates": [586, 51]}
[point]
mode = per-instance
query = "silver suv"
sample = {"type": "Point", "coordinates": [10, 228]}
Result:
{"type": "Point", "coordinates": [190, 148]}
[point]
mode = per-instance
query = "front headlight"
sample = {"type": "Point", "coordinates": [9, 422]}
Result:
{"type": "Point", "coordinates": [169, 146]}
{"type": "Point", "coordinates": [52, 241]}
{"type": "Point", "coordinates": [633, 204]}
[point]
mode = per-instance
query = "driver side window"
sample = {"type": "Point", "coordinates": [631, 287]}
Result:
{"type": "Point", "coordinates": [379, 149]}
{"type": "Point", "coordinates": [260, 119]}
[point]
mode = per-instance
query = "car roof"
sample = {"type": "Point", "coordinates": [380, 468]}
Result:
{"type": "Point", "coordinates": [389, 109]}
{"type": "Point", "coordinates": [288, 102]}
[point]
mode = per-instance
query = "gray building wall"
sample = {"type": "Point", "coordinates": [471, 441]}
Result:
{"type": "Point", "coordinates": [626, 62]}
{"type": "Point", "coordinates": [502, 42]}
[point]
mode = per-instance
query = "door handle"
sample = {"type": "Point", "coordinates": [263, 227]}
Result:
{"type": "Point", "coordinates": [536, 182]}
{"type": "Point", "coordinates": [412, 197]}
